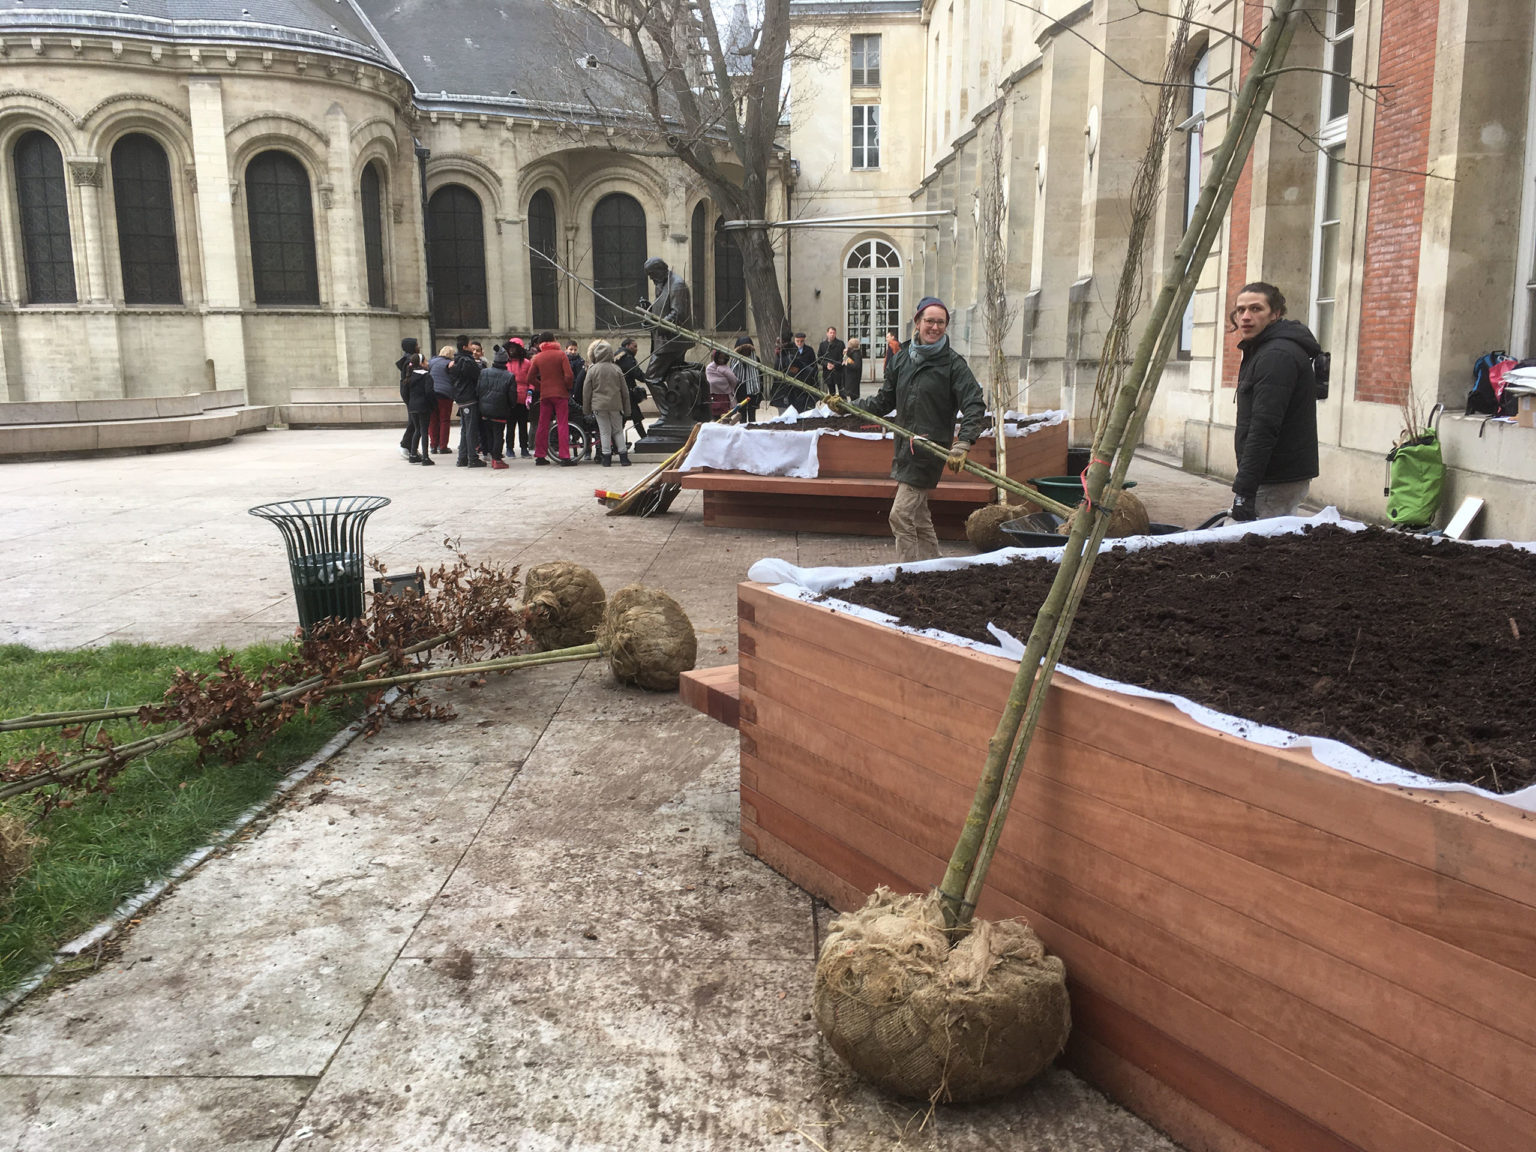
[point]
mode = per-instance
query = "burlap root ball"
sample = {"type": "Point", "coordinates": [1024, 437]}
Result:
{"type": "Point", "coordinates": [647, 638]}
{"type": "Point", "coordinates": [934, 1023]}
{"type": "Point", "coordinates": [1128, 519]}
{"type": "Point", "coordinates": [984, 527]}
{"type": "Point", "coordinates": [565, 604]}
{"type": "Point", "coordinates": [16, 847]}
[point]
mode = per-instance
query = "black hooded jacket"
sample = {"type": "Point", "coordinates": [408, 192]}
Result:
{"type": "Point", "coordinates": [493, 390]}
{"type": "Point", "coordinates": [1276, 408]}
{"type": "Point", "coordinates": [465, 374]}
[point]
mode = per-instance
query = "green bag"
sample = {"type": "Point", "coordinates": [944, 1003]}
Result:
{"type": "Point", "coordinates": [1415, 476]}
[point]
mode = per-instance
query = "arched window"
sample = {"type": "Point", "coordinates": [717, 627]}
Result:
{"type": "Point", "coordinates": [698, 253]}
{"type": "Point", "coordinates": [618, 257]}
{"type": "Point", "coordinates": [372, 191]}
{"type": "Point", "coordinates": [146, 221]}
{"type": "Point", "coordinates": [872, 292]}
{"type": "Point", "coordinates": [456, 229]}
{"type": "Point", "coordinates": [543, 277]}
{"type": "Point", "coordinates": [43, 206]}
{"type": "Point", "coordinates": [282, 230]}
{"type": "Point", "coordinates": [730, 283]}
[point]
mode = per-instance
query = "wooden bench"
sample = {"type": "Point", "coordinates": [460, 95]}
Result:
{"type": "Point", "coordinates": [716, 692]}
{"type": "Point", "coordinates": [853, 494]}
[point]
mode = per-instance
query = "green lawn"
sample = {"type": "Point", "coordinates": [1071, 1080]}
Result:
{"type": "Point", "coordinates": [105, 848]}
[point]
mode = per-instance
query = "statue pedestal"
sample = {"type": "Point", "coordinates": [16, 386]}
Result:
{"type": "Point", "coordinates": [684, 402]}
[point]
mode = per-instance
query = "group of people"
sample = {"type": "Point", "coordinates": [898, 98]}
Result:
{"type": "Point", "coordinates": [520, 402]}
{"type": "Point", "coordinates": [836, 367]}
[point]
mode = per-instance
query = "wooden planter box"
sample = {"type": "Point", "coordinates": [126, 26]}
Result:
{"type": "Point", "coordinates": [853, 493]}
{"type": "Point", "coordinates": [1262, 951]}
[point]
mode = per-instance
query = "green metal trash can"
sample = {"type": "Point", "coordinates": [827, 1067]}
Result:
{"type": "Point", "coordinates": [324, 538]}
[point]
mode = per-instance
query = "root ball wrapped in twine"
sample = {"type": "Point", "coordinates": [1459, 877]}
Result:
{"type": "Point", "coordinates": [1128, 519]}
{"type": "Point", "coordinates": [16, 848]}
{"type": "Point", "coordinates": [565, 604]}
{"type": "Point", "coordinates": [930, 1022]}
{"type": "Point", "coordinates": [647, 638]}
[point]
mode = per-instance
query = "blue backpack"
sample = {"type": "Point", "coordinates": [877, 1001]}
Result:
{"type": "Point", "coordinates": [1487, 396]}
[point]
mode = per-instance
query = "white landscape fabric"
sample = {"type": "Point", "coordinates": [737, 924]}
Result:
{"type": "Point", "coordinates": [790, 453]}
{"type": "Point", "coordinates": [812, 584]}
{"type": "Point", "coordinates": [761, 453]}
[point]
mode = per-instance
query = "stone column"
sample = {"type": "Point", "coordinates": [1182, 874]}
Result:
{"type": "Point", "coordinates": [339, 199]}
{"type": "Point", "coordinates": [217, 189]}
{"type": "Point", "coordinates": [85, 173]}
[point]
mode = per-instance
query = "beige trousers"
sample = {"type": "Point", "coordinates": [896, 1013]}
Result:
{"type": "Point", "coordinates": [1279, 499]}
{"type": "Point", "coordinates": [912, 525]}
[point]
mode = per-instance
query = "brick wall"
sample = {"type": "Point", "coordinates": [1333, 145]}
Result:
{"type": "Point", "coordinates": [1395, 206]}
{"type": "Point", "coordinates": [1239, 213]}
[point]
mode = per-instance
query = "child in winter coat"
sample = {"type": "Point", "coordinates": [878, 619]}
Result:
{"type": "Point", "coordinates": [605, 394]}
{"type": "Point", "coordinates": [421, 402]}
{"type": "Point", "coordinates": [519, 363]}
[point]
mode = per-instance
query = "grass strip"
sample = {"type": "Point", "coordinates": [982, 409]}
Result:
{"type": "Point", "coordinates": [104, 848]}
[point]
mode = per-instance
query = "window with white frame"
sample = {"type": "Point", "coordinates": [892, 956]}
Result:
{"type": "Point", "coordinates": [866, 61]}
{"type": "Point", "coordinates": [872, 293]}
{"type": "Point", "coordinates": [1338, 55]}
{"type": "Point", "coordinates": [1199, 75]}
{"type": "Point", "coordinates": [866, 136]}
{"type": "Point", "coordinates": [1522, 331]}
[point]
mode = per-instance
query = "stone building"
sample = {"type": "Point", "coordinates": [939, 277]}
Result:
{"type": "Point", "coordinates": [1397, 213]}
{"type": "Point", "coordinates": [199, 197]}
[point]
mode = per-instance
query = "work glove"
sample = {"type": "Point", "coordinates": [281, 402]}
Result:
{"type": "Point", "coordinates": [957, 455]}
{"type": "Point", "coordinates": [835, 402]}
{"type": "Point", "coordinates": [1244, 508]}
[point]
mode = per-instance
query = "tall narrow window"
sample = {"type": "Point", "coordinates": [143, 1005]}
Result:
{"type": "Point", "coordinates": [1338, 56]}
{"type": "Point", "coordinates": [618, 257]}
{"type": "Point", "coordinates": [730, 283]}
{"type": "Point", "coordinates": [866, 136]}
{"type": "Point", "coordinates": [543, 277]}
{"type": "Point", "coordinates": [457, 239]}
{"type": "Point", "coordinates": [146, 221]}
{"type": "Point", "coordinates": [1193, 173]}
{"type": "Point", "coordinates": [43, 205]}
{"type": "Point", "coordinates": [866, 61]}
{"type": "Point", "coordinates": [698, 254]}
{"type": "Point", "coordinates": [872, 293]}
{"type": "Point", "coordinates": [372, 194]}
{"type": "Point", "coordinates": [282, 230]}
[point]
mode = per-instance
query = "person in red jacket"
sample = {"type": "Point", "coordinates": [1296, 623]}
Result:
{"type": "Point", "coordinates": [551, 377]}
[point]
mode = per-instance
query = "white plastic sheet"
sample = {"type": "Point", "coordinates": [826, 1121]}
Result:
{"type": "Point", "coordinates": [812, 584]}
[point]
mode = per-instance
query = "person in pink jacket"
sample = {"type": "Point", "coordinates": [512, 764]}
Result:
{"type": "Point", "coordinates": [520, 364]}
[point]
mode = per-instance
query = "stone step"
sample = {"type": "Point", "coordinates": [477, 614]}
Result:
{"type": "Point", "coordinates": [22, 441]}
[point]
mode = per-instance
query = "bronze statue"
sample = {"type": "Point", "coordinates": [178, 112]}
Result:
{"type": "Point", "coordinates": [677, 386]}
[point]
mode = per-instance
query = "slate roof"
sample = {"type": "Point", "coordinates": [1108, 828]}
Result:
{"type": "Point", "coordinates": [333, 26]}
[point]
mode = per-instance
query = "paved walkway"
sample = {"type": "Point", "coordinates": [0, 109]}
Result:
{"type": "Point", "coordinates": [529, 928]}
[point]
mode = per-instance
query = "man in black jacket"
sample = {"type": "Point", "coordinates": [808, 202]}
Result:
{"type": "Point", "coordinates": [409, 348]}
{"type": "Point", "coordinates": [464, 373]}
{"type": "Point", "coordinates": [1276, 437]}
{"type": "Point", "coordinates": [829, 354]}
{"type": "Point", "coordinates": [628, 361]}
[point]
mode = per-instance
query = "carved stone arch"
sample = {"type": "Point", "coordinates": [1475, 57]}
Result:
{"type": "Point", "coordinates": [470, 171]}
{"type": "Point", "coordinates": [147, 117]}
{"type": "Point", "coordinates": [138, 100]}
{"type": "Point", "coordinates": [373, 127]}
{"type": "Point", "coordinates": [623, 175]}
{"type": "Point", "coordinates": [22, 110]}
{"type": "Point", "coordinates": [651, 198]}
{"type": "Point", "coordinates": [545, 175]}
{"type": "Point", "coordinates": [378, 143]}
{"type": "Point", "coordinates": [278, 130]}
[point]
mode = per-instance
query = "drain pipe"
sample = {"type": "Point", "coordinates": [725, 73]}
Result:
{"type": "Point", "coordinates": [423, 154]}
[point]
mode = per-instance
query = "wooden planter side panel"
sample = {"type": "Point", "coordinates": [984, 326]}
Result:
{"type": "Point", "coordinates": [1041, 453]}
{"type": "Point", "coordinates": [1312, 961]}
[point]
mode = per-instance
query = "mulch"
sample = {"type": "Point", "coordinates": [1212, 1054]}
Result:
{"type": "Point", "coordinates": [1417, 652]}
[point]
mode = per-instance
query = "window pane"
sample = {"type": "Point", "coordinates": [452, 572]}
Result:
{"type": "Point", "coordinates": [456, 231]}
{"type": "Point", "coordinates": [282, 230]}
{"type": "Point", "coordinates": [730, 283]}
{"type": "Point", "coordinates": [1343, 16]}
{"type": "Point", "coordinates": [1339, 85]}
{"type": "Point", "coordinates": [43, 204]}
{"type": "Point", "coordinates": [373, 234]}
{"type": "Point", "coordinates": [698, 263]}
{"type": "Point", "coordinates": [543, 277]}
{"type": "Point", "coordinates": [866, 60]}
{"type": "Point", "coordinates": [146, 221]}
{"type": "Point", "coordinates": [618, 257]}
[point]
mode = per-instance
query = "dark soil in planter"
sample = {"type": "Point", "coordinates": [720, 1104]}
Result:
{"type": "Point", "coordinates": [1417, 653]}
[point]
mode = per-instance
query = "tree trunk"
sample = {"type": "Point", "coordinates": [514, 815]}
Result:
{"type": "Point", "coordinates": [757, 265]}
